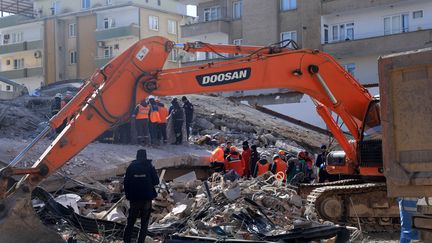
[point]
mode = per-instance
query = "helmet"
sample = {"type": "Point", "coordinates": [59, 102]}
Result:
{"type": "Point", "coordinates": [222, 145]}
{"type": "Point", "coordinates": [276, 156]}
{"type": "Point", "coordinates": [58, 95]}
{"type": "Point", "coordinates": [282, 152]}
{"type": "Point", "coordinates": [151, 97]}
{"type": "Point", "coordinates": [233, 149]}
{"type": "Point", "coordinates": [323, 146]}
{"type": "Point", "coordinates": [301, 155]}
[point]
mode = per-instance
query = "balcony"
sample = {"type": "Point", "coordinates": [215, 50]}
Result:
{"type": "Point", "coordinates": [338, 6]}
{"type": "Point", "coordinates": [22, 73]}
{"type": "Point", "coordinates": [24, 46]}
{"type": "Point", "coordinates": [100, 61]}
{"type": "Point", "coordinates": [104, 34]}
{"type": "Point", "coordinates": [380, 45]}
{"type": "Point", "coordinates": [202, 28]}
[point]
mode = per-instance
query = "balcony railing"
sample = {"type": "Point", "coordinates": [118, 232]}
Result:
{"type": "Point", "coordinates": [200, 28]}
{"type": "Point", "coordinates": [381, 45]}
{"type": "Point", "coordinates": [22, 73]}
{"type": "Point", "coordinates": [104, 34]}
{"type": "Point", "coordinates": [23, 46]}
{"type": "Point", "coordinates": [338, 6]}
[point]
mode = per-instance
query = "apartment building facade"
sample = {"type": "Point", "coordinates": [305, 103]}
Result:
{"type": "Point", "coordinates": [355, 32]}
{"type": "Point", "coordinates": [68, 40]}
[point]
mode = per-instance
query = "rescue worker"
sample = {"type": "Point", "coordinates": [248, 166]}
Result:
{"type": "Point", "coordinates": [141, 115]}
{"type": "Point", "coordinates": [217, 159]}
{"type": "Point", "coordinates": [303, 158]}
{"type": "Point", "coordinates": [262, 166]}
{"type": "Point", "coordinates": [66, 98]}
{"type": "Point", "coordinates": [162, 125]}
{"type": "Point", "coordinates": [279, 166]}
{"type": "Point", "coordinates": [227, 148]}
{"type": "Point", "coordinates": [246, 154]}
{"type": "Point", "coordinates": [295, 166]}
{"type": "Point", "coordinates": [154, 119]}
{"type": "Point", "coordinates": [176, 114]}
{"type": "Point", "coordinates": [254, 157]}
{"type": "Point", "coordinates": [407, 207]}
{"type": "Point", "coordinates": [189, 110]}
{"type": "Point", "coordinates": [56, 104]}
{"type": "Point", "coordinates": [139, 185]}
{"type": "Point", "coordinates": [235, 161]}
{"type": "Point", "coordinates": [320, 163]}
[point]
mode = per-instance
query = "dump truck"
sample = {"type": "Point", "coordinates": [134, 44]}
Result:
{"type": "Point", "coordinates": [405, 81]}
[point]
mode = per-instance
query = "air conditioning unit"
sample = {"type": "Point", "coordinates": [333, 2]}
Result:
{"type": "Point", "coordinates": [37, 54]}
{"type": "Point", "coordinates": [101, 44]}
{"type": "Point", "coordinates": [6, 36]}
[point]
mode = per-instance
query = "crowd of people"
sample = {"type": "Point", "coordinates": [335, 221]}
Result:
{"type": "Point", "coordinates": [248, 162]}
{"type": "Point", "coordinates": [152, 120]}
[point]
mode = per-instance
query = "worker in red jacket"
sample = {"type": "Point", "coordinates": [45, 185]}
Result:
{"type": "Point", "coordinates": [235, 161]}
{"type": "Point", "coordinates": [246, 154]}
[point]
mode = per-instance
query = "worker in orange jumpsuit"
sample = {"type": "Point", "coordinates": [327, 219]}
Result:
{"type": "Point", "coordinates": [162, 125]}
{"type": "Point", "coordinates": [154, 119]}
{"type": "Point", "coordinates": [217, 159]}
{"type": "Point", "coordinates": [283, 155]}
{"type": "Point", "coordinates": [262, 166]}
{"type": "Point", "coordinates": [279, 166]}
{"type": "Point", "coordinates": [235, 161]}
{"type": "Point", "coordinates": [141, 115]}
{"type": "Point", "coordinates": [246, 154]}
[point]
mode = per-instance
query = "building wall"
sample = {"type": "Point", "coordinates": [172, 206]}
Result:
{"type": "Point", "coordinates": [50, 51]}
{"type": "Point", "coordinates": [3, 87]}
{"type": "Point", "coordinates": [123, 44]}
{"type": "Point", "coordinates": [71, 45]}
{"type": "Point", "coordinates": [31, 32]}
{"type": "Point", "coordinates": [86, 45]}
{"type": "Point", "coordinates": [260, 24]}
{"type": "Point", "coordinates": [32, 83]}
{"type": "Point", "coordinates": [124, 16]}
{"type": "Point", "coordinates": [366, 68]}
{"type": "Point", "coordinates": [370, 23]}
{"type": "Point", "coordinates": [29, 60]}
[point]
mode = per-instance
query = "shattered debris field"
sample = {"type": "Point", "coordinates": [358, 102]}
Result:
{"type": "Point", "coordinates": [84, 201]}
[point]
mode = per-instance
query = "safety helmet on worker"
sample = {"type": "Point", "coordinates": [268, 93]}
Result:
{"type": "Point", "coordinates": [276, 156]}
{"type": "Point", "coordinates": [233, 149]}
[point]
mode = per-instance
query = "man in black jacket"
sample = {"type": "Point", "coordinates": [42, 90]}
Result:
{"type": "Point", "coordinates": [139, 184]}
{"type": "Point", "coordinates": [189, 110]}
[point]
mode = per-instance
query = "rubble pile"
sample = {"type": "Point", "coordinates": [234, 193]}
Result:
{"type": "Point", "coordinates": [222, 206]}
{"type": "Point", "coordinates": [16, 120]}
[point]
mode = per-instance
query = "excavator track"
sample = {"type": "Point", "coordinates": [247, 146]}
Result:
{"type": "Point", "coordinates": [305, 189]}
{"type": "Point", "coordinates": [366, 204]}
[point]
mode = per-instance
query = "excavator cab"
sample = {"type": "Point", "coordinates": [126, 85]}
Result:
{"type": "Point", "coordinates": [370, 143]}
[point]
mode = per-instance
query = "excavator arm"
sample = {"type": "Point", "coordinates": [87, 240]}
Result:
{"type": "Point", "coordinates": [108, 97]}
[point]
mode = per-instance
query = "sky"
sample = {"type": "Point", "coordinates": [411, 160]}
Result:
{"type": "Point", "coordinates": [191, 10]}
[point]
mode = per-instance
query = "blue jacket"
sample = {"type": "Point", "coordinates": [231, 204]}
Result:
{"type": "Point", "coordinates": [140, 181]}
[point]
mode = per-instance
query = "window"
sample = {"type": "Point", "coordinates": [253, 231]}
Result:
{"type": "Point", "coordinates": [326, 34]}
{"type": "Point", "coordinates": [19, 63]}
{"type": "Point", "coordinates": [154, 23]}
{"type": "Point", "coordinates": [72, 30]}
{"type": "Point", "coordinates": [288, 4]}
{"type": "Point", "coordinates": [212, 13]}
{"type": "Point", "coordinates": [395, 24]}
{"type": "Point", "coordinates": [173, 56]}
{"type": "Point", "coordinates": [350, 68]}
{"type": "Point", "coordinates": [290, 35]}
{"type": "Point", "coordinates": [237, 10]}
{"type": "Point", "coordinates": [342, 32]}
{"type": "Point", "coordinates": [55, 9]}
{"type": "Point", "coordinates": [108, 52]}
{"type": "Point", "coordinates": [17, 37]}
{"type": "Point", "coordinates": [418, 14]}
{"type": "Point", "coordinates": [73, 57]}
{"type": "Point", "coordinates": [109, 2]}
{"type": "Point", "coordinates": [237, 42]}
{"type": "Point", "coordinates": [109, 23]}
{"type": "Point", "coordinates": [172, 26]}
{"type": "Point", "coordinates": [85, 4]}
{"type": "Point", "coordinates": [159, 2]}
{"type": "Point", "coordinates": [8, 88]}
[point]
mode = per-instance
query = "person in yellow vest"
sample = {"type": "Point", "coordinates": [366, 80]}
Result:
{"type": "Point", "coordinates": [163, 114]}
{"type": "Point", "coordinates": [141, 116]}
{"type": "Point", "coordinates": [154, 120]}
{"type": "Point", "coordinates": [217, 159]}
{"type": "Point", "coordinates": [262, 166]}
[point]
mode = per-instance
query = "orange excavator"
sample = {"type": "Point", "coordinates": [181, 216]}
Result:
{"type": "Point", "coordinates": [109, 96]}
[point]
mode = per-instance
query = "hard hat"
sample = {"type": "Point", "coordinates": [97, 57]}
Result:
{"type": "Point", "coordinates": [58, 95]}
{"type": "Point", "coordinates": [282, 152]}
{"type": "Point", "coordinates": [233, 148]}
{"type": "Point", "coordinates": [275, 156]}
{"type": "Point", "coordinates": [301, 154]}
{"type": "Point", "coordinates": [222, 145]}
{"type": "Point", "coordinates": [151, 97]}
